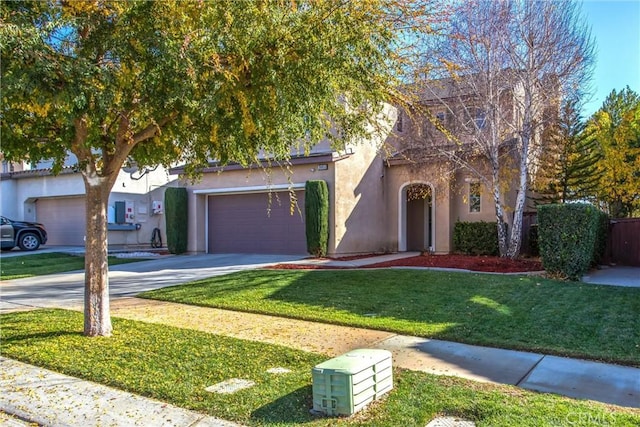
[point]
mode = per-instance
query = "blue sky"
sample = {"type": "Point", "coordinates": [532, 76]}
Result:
{"type": "Point", "coordinates": [615, 26]}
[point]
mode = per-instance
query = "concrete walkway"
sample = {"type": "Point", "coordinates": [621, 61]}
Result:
{"type": "Point", "coordinates": [615, 276]}
{"type": "Point", "coordinates": [50, 399]}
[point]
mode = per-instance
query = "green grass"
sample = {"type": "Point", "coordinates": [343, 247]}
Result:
{"type": "Point", "coordinates": [175, 365]}
{"type": "Point", "coordinates": [18, 267]}
{"type": "Point", "coordinates": [517, 312]}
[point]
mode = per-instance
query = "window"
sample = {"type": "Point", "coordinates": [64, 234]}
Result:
{"type": "Point", "coordinates": [399, 122]}
{"type": "Point", "coordinates": [474, 197]}
{"type": "Point", "coordinates": [440, 116]}
{"type": "Point", "coordinates": [481, 119]}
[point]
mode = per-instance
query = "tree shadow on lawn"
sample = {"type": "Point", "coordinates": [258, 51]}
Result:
{"type": "Point", "coordinates": [35, 336]}
{"type": "Point", "coordinates": [521, 313]}
{"type": "Point", "coordinates": [288, 409]}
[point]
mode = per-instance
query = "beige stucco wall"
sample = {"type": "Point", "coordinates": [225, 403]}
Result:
{"type": "Point", "coordinates": [359, 203]}
{"type": "Point", "coordinates": [359, 199]}
{"type": "Point", "coordinates": [460, 200]}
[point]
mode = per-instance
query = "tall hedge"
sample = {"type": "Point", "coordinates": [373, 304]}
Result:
{"type": "Point", "coordinates": [475, 238]}
{"type": "Point", "coordinates": [601, 238]}
{"type": "Point", "coordinates": [316, 211]}
{"type": "Point", "coordinates": [568, 238]}
{"type": "Point", "coordinates": [176, 218]}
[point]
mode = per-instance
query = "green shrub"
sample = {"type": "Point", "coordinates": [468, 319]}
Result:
{"type": "Point", "coordinates": [601, 238]}
{"type": "Point", "coordinates": [568, 235]}
{"type": "Point", "coordinates": [316, 210]}
{"type": "Point", "coordinates": [176, 217]}
{"type": "Point", "coordinates": [534, 248]}
{"type": "Point", "coordinates": [476, 238]}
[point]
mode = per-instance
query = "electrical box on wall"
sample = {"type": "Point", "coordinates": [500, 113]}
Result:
{"type": "Point", "coordinates": [157, 207]}
{"type": "Point", "coordinates": [129, 212]}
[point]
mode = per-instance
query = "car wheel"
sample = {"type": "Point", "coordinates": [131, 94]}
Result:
{"type": "Point", "coordinates": [29, 242]}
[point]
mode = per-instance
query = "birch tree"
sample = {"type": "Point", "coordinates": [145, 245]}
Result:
{"type": "Point", "coordinates": [154, 82]}
{"type": "Point", "coordinates": [500, 74]}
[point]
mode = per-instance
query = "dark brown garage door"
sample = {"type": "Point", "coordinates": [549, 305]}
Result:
{"type": "Point", "coordinates": [63, 218]}
{"type": "Point", "coordinates": [246, 223]}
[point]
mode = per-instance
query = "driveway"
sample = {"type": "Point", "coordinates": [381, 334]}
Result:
{"type": "Point", "coordinates": [67, 289]}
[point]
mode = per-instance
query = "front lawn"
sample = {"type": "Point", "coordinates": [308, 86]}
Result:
{"type": "Point", "coordinates": [18, 267]}
{"type": "Point", "coordinates": [517, 312]}
{"type": "Point", "coordinates": [175, 365]}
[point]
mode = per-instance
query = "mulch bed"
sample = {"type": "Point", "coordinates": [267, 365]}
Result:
{"type": "Point", "coordinates": [490, 264]}
{"type": "Point", "coordinates": [305, 267]}
{"type": "Point", "coordinates": [475, 263]}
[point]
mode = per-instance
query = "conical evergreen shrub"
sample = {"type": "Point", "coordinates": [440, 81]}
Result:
{"type": "Point", "coordinates": [316, 210]}
{"type": "Point", "coordinates": [176, 217]}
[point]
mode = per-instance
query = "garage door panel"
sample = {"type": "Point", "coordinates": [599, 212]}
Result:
{"type": "Point", "coordinates": [247, 223]}
{"type": "Point", "coordinates": [63, 218]}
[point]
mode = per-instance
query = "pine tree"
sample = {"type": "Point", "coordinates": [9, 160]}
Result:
{"type": "Point", "coordinates": [569, 168]}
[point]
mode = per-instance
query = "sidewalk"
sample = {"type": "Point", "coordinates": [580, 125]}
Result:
{"type": "Point", "coordinates": [50, 399]}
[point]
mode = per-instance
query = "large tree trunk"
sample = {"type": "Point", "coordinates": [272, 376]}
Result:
{"type": "Point", "coordinates": [97, 320]}
{"type": "Point", "coordinates": [503, 244]}
{"type": "Point", "coordinates": [515, 242]}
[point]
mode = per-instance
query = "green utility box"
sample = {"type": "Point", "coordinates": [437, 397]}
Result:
{"type": "Point", "coordinates": [346, 384]}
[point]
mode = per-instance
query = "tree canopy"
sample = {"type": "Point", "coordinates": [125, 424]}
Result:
{"type": "Point", "coordinates": [160, 81]}
{"type": "Point", "coordinates": [153, 82]}
{"type": "Point", "coordinates": [616, 128]}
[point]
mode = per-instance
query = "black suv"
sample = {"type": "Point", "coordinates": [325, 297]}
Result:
{"type": "Point", "coordinates": [28, 235]}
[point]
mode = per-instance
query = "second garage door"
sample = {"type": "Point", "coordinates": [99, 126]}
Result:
{"type": "Point", "coordinates": [247, 223]}
{"type": "Point", "coordinates": [63, 218]}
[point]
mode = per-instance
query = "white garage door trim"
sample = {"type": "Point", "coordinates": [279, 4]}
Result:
{"type": "Point", "coordinates": [250, 189]}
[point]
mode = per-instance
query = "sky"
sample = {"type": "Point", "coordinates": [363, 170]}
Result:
{"type": "Point", "coordinates": [615, 26]}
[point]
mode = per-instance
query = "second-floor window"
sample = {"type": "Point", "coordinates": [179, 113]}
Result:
{"type": "Point", "coordinates": [399, 122]}
{"type": "Point", "coordinates": [474, 197]}
{"type": "Point", "coordinates": [481, 119]}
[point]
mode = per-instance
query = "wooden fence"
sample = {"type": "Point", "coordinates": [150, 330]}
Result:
{"type": "Point", "coordinates": [623, 245]}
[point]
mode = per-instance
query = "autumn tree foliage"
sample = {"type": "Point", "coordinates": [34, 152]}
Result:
{"type": "Point", "coordinates": [616, 128]}
{"type": "Point", "coordinates": [499, 74]}
{"type": "Point", "coordinates": [155, 82]}
{"type": "Point", "coordinates": [567, 169]}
